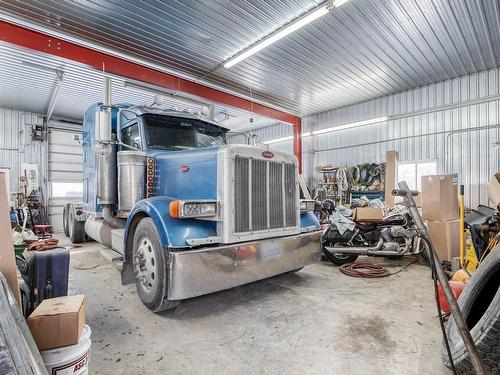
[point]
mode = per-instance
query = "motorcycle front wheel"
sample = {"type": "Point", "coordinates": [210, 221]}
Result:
{"type": "Point", "coordinates": [338, 258]}
{"type": "Point", "coordinates": [421, 249]}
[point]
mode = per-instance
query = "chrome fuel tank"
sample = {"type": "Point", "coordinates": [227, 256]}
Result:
{"type": "Point", "coordinates": [131, 179]}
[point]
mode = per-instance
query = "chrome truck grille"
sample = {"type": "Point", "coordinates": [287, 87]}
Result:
{"type": "Point", "coordinates": [265, 195]}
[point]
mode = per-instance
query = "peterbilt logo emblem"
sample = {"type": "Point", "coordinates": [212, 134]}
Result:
{"type": "Point", "coordinates": [185, 169]}
{"type": "Point", "coordinates": [267, 154]}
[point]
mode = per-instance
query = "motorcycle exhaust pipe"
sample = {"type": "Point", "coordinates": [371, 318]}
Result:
{"type": "Point", "coordinates": [365, 250]}
{"type": "Point", "coordinates": [357, 250]}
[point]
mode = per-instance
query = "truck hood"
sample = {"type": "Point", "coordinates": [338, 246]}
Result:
{"type": "Point", "coordinates": [189, 174]}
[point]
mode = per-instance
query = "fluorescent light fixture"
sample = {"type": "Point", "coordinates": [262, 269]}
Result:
{"type": "Point", "coordinates": [350, 125]}
{"type": "Point", "coordinates": [331, 129]}
{"type": "Point", "coordinates": [338, 3]}
{"type": "Point", "coordinates": [284, 139]}
{"type": "Point", "coordinates": [277, 140]}
{"type": "Point", "coordinates": [284, 31]}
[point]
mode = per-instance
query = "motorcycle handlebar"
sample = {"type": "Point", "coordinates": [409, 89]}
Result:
{"type": "Point", "coordinates": [402, 193]}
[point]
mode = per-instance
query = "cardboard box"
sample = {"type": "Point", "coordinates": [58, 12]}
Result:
{"type": "Point", "coordinates": [368, 214]}
{"type": "Point", "coordinates": [7, 259]}
{"type": "Point", "coordinates": [445, 236]}
{"type": "Point", "coordinates": [58, 322]}
{"type": "Point", "coordinates": [440, 197]}
{"type": "Point", "coordinates": [494, 191]}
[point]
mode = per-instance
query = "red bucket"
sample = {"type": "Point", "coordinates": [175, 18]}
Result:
{"type": "Point", "coordinates": [457, 287]}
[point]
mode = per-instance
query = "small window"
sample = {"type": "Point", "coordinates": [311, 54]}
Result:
{"type": "Point", "coordinates": [67, 190]}
{"type": "Point", "coordinates": [412, 172]}
{"type": "Point", "coordinates": [131, 137]}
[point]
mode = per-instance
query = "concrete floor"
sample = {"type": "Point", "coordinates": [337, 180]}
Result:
{"type": "Point", "coordinates": [317, 321]}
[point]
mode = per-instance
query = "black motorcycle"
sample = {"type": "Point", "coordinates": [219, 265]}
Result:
{"type": "Point", "coordinates": [395, 236]}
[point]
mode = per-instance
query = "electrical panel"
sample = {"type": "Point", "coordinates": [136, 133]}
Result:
{"type": "Point", "coordinates": [38, 132]}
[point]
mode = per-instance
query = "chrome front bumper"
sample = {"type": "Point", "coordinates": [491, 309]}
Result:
{"type": "Point", "coordinates": [196, 272]}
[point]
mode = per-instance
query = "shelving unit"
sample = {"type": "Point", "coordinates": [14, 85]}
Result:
{"type": "Point", "coordinates": [348, 195]}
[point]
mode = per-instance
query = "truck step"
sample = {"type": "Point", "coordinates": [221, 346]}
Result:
{"type": "Point", "coordinates": [117, 243]}
{"type": "Point", "coordinates": [112, 255]}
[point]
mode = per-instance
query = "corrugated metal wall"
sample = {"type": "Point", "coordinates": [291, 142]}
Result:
{"type": "Point", "coordinates": [456, 122]}
{"type": "Point", "coordinates": [278, 130]}
{"type": "Point", "coordinates": [16, 146]}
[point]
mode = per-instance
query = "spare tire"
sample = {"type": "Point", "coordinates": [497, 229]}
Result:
{"type": "Point", "coordinates": [76, 228]}
{"type": "Point", "coordinates": [480, 305]}
{"type": "Point", "coordinates": [65, 218]}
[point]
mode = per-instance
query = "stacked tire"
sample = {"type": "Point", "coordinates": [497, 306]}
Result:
{"type": "Point", "coordinates": [480, 305]}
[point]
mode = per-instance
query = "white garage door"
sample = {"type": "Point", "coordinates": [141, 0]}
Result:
{"type": "Point", "coordinates": [65, 172]}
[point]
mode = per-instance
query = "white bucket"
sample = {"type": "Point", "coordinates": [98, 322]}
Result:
{"type": "Point", "coordinates": [73, 359]}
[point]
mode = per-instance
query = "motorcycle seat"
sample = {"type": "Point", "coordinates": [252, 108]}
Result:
{"type": "Point", "coordinates": [365, 227]}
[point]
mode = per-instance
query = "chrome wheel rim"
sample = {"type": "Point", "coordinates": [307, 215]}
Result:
{"type": "Point", "coordinates": [145, 265]}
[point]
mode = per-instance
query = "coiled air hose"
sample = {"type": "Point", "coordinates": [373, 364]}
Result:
{"type": "Point", "coordinates": [366, 269]}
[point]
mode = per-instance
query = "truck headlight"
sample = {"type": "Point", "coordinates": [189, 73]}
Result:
{"type": "Point", "coordinates": [193, 209]}
{"type": "Point", "coordinates": [306, 205]}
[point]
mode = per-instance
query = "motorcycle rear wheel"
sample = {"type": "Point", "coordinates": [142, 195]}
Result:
{"type": "Point", "coordinates": [338, 258]}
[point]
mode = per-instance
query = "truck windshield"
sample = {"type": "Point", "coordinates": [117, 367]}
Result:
{"type": "Point", "coordinates": [177, 133]}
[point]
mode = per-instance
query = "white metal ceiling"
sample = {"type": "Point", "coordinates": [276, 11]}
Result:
{"type": "Point", "coordinates": [27, 80]}
{"type": "Point", "coordinates": [362, 50]}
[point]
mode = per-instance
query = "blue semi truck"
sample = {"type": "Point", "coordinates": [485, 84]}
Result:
{"type": "Point", "coordinates": [187, 213]}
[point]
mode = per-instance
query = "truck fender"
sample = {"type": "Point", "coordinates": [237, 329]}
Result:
{"type": "Point", "coordinates": [173, 232]}
{"type": "Point", "coordinates": [156, 208]}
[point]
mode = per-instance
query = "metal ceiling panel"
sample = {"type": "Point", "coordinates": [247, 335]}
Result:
{"type": "Point", "coordinates": [27, 80]}
{"type": "Point", "coordinates": [362, 50]}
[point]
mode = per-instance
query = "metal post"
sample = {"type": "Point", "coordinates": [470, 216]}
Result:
{"type": "Point", "coordinates": [297, 142]}
{"type": "Point", "coordinates": [450, 297]}
{"type": "Point", "coordinates": [462, 227]}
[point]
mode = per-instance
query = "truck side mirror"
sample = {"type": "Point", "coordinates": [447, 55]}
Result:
{"type": "Point", "coordinates": [119, 127]}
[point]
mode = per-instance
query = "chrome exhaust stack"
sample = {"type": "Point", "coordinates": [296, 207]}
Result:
{"type": "Point", "coordinates": [106, 159]}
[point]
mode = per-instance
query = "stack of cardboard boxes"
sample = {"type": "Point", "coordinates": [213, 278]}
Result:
{"type": "Point", "coordinates": [441, 213]}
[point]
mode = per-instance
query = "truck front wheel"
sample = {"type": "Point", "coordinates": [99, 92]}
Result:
{"type": "Point", "coordinates": [150, 267]}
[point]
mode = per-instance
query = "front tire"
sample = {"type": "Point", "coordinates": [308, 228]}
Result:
{"type": "Point", "coordinates": [338, 258]}
{"type": "Point", "coordinates": [421, 248]}
{"type": "Point", "coordinates": [149, 260]}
